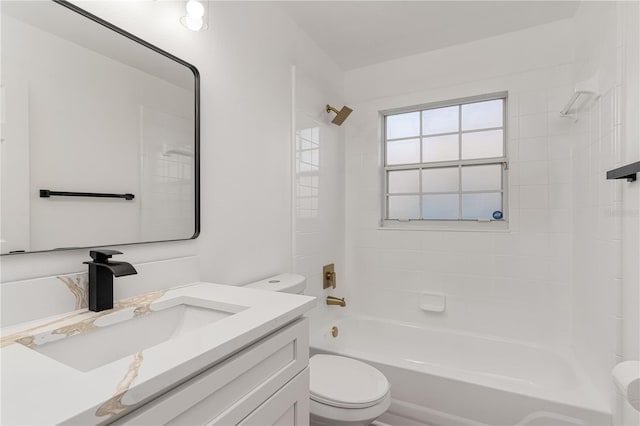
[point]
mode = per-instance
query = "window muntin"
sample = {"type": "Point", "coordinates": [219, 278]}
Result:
{"type": "Point", "coordinates": [446, 161]}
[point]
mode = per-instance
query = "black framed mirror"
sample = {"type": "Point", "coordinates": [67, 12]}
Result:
{"type": "Point", "coordinates": [101, 134]}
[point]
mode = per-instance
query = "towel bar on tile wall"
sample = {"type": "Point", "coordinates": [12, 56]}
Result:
{"type": "Point", "coordinates": [46, 193]}
{"type": "Point", "coordinates": [587, 87]}
{"type": "Point", "coordinates": [627, 172]}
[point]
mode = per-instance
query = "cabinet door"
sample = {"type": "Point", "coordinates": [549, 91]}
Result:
{"type": "Point", "coordinates": [288, 407]}
{"type": "Point", "coordinates": [226, 393]}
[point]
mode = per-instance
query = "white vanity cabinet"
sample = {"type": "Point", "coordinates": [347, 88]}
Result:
{"type": "Point", "coordinates": [266, 383]}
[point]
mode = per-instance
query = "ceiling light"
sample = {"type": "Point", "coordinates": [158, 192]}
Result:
{"type": "Point", "coordinates": [195, 9]}
{"type": "Point", "coordinates": [196, 17]}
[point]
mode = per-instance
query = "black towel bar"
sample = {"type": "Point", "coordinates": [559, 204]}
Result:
{"type": "Point", "coordinates": [46, 193]}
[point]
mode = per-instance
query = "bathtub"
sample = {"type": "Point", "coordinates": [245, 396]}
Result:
{"type": "Point", "coordinates": [441, 377]}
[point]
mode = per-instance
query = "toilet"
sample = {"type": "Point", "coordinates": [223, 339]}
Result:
{"type": "Point", "coordinates": [343, 391]}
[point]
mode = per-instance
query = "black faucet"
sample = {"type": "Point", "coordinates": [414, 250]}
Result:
{"type": "Point", "coordinates": [101, 273]}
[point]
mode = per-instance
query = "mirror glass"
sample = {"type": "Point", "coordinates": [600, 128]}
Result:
{"type": "Point", "coordinates": [105, 122]}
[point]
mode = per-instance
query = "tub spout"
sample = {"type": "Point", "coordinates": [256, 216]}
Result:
{"type": "Point", "coordinates": [336, 301]}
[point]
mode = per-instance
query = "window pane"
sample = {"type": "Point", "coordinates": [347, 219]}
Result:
{"type": "Point", "coordinates": [481, 206]}
{"type": "Point", "coordinates": [486, 144]}
{"type": "Point", "coordinates": [482, 178]}
{"type": "Point", "coordinates": [482, 115]}
{"type": "Point", "coordinates": [440, 180]}
{"type": "Point", "coordinates": [404, 207]}
{"type": "Point", "coordinates": [403, 152]}
{"type": "Point", "coordinates": [440, 120]}
{"type": "Point", "coordinates": [403, 125]}
{"type": "Point", "coordinates": [440, 206]}
{"type": "Point", "coordinates": [440, 148]}
{"type": "Point", "coordinates": [404, 181]}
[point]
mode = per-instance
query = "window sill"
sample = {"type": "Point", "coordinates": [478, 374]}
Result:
{"type": "Point", "coordinates": [447, 226]}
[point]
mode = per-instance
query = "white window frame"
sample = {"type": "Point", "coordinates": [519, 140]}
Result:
{"type": "Point", "coordinates": [447, 224]}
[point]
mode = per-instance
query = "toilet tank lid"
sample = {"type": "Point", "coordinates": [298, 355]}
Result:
{"type": "Point", "coordinates": [286, 283]}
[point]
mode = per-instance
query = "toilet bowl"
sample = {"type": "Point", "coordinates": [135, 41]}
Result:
{"type": "Point", "coordinates": [343, 391]}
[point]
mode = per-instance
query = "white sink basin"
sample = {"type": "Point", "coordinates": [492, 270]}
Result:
{"type": "Point", "coordinates": [119, 335]}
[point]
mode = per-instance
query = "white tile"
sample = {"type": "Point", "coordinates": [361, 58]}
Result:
{"type": "Point", "coordinates": [607, 110]}
{"type": "Point", "coordinates": [364, 237]}
{"type": "Point", "coordinates": [559, 171]}
{"type": "Point", "coordinates": [533, 245]}
{"type": "Point", "coordinates": [506, 266]}
{"type": "Point", "coordinates": [532, 126]}
{"type": "Point", "coordinates": [513, 148]}
{"type": "Point", "coordinates": [605, 160]}
{"type": "Point", "coordinates": [514, 197]}
{"type": "Point", "coordinates": [432, 240]}
{"type": "Point", "coordinates": [400, 259]}
{"type": "Point", "coordinates": [617, 146]}
{"type": "Point", "coordinates": [505, 243]}
{"type": "Point", "coordinates": [560, 271]}
{"type": "Point", "coordinates": [561, 245]}
{"type": "Point", "coordinates": [440, 262]}
{"type": "Point", "coordinates": [532, 149]}
{"type": "Point", "coordinates": [404, 239]}
{"type": "Point", "coordinates": [533, 173]}
{"type": "Point", "coordinates": [512, 104]}
{"type": "Point", "coordinates": [476, 264]}
{"type": "Point", "coordinates": [560, 196]}
{"type": "Point", "coordinates": [618, 289]}
{"type": "Point", "coordinates": [514, 220]}
{"type": "Point", "coordinates": [533, 268]}
{"type": "Point", "coordinates": [534, 220]}
{"type": "Point", "coordinates": [558, 125]}
{"type": "Point", "coordinates": [559, 147]}
{"type": "Point", "coordinates": [617, 102]}
{"type": "Point", "coordinates": [534, 197]}
{"type": "Point", "coordinates": [560, 220]}
{"type": "Point", "coordinates": [514, 174]}
{"type": "Point", "coordinates": [513, 128]}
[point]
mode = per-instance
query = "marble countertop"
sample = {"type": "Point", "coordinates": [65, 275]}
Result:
{"type": "Point", "coordinates": [37, 389]}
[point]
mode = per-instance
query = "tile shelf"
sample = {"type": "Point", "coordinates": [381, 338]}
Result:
{"type": "Point", "coordinates": [627, 172]}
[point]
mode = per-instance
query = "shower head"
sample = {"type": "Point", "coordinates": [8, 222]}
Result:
{"type": "Point", "coordinates": [340, 115]}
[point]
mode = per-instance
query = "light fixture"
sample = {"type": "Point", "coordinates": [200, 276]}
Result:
{"type": "Point", "coordinates": [196, 17]}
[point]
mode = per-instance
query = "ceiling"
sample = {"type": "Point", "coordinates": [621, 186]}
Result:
{"type": "Point", "coordinates": [360, 33]}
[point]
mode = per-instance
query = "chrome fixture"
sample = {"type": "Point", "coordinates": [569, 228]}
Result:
{"type": "Point", "coordinates": [589, 87]}
{"type": "Point", "coordinates": [336, 301]}
{"type": "Point", "coordinates": [340, 115]}
{"type": "Point", "coordinates": [101, 273]}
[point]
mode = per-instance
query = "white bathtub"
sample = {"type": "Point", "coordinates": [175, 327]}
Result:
{"type": "Point", "coordinates": [441, 377]}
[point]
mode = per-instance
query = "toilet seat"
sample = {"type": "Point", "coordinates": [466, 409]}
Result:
{"type": "Point", "coordinates": [342, 382]}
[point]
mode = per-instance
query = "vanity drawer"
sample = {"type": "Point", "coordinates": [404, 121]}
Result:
{"type": "Point", "coordinates": [288, 407]}
{"type": "Point", "coordinates": [229, 391]}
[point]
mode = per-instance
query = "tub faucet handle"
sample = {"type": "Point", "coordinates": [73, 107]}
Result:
{"type": "Point", "coordinates": [329, 276]}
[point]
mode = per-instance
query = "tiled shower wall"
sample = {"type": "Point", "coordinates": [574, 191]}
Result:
{"type": "Point", "coordinates": [318, 209]}
{"type": "Point", "coordinates": [514, 284]}
{"type": "Point", "coordinates": [603, 213]}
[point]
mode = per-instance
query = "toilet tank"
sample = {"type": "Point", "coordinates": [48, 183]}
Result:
{"type": "Point", "coordinates": [286, 283]}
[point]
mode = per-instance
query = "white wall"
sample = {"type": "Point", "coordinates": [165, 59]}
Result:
{"type": "Point", "coordinates": [605, 238]}
{"type": "Point", "coordinates": [245, 61]}
{"type": "Point", "coordinates": [513, 284]}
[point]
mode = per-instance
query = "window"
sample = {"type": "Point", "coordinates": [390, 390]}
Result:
{"type": "Point", "coordinates": [446, 162]}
